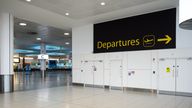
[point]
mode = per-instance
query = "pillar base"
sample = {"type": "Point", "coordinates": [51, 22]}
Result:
{"type": "Point", "coordinates": [6, 83]}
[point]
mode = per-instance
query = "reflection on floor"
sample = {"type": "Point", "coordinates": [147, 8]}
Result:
{"type": "Point", "coordinates": [33, 80]}
{"type": "Point", "coordinates": [86, 97]}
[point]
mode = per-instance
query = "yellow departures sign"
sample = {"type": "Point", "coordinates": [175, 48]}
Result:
{"type": "Point", "coordinates": [148, 41]}
{"type": "Point", "coordinates": [167, 39]}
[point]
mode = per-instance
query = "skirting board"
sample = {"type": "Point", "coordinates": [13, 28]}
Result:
{"type": "Point", "coordinates": [175, 93]}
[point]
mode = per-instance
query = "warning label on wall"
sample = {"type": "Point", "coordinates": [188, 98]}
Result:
{"type": "Point", "coordinates": [168, 70]}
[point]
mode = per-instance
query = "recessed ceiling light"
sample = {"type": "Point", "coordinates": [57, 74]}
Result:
{"type": "Point", "coordinates": [67, 14]}
{"type": "Point", "coordinates": [38, 39]}
{"type": "Point", "coordinates": [66, 34]}
{"type": "Point", "coordinates": [22, 24]}
{"type": "Point", "coordinates": [28, 0]}
{"type": "Point", "coordinates": [103, 3]}
{"type": "Point", "coordinates": [67, 43]}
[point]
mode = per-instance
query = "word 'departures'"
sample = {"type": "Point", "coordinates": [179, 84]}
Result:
{"type": "Point", "coordinates": [119, 43]}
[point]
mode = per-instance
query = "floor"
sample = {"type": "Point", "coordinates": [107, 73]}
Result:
{"type": "Point", "coordinates": [56, 91]}
{"type": "Point", "coordinates": [87, 97]}
{"type": "Point", "coordinates": [33, 80]}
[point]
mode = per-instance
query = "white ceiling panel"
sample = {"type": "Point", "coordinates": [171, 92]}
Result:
{"type": "Point", "coordinates": [80, 9]}
{"type": "Point", "coordinates": [51, 13]}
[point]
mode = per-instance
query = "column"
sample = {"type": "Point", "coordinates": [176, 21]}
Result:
{"type": "Point", "coordinates": [185, 14]}
{"type": "Point", "coordinates": [43, 61]}
{"type": "Point", "coordinates": [6, 52]}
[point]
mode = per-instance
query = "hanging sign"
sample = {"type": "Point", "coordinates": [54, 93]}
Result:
{"type": "Point", "coordinates": [144, 32]}
{"type": "Point", "coordinates": [43, 56]}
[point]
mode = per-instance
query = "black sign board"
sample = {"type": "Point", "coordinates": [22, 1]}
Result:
{"type": "Point", "coordinates": [144, 32]}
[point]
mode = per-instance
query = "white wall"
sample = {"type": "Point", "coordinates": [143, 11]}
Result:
{"type": "Point", "coordinates": [82, 39]}
{"type": "Point", "coordinates": [83, 47]}
{"type": "Point", "coordinates": [82, 44]}
{"type": "Point", "coordinates": [183, 37]}
{"type": "Point", "coordinates": [6, 43]}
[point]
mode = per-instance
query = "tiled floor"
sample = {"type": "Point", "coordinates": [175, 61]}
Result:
{"type": "Point", "coordinates": [86, 97]}
{"type": "Point", "coordinates": [33, 80]}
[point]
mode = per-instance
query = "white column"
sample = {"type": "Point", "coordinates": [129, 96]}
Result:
{"type": "Point", "coordinates": [185, 14]}
{"type": "Point", "coordinates": [6, 52]}
{"type": "Point", "coordinates": [43, 61]}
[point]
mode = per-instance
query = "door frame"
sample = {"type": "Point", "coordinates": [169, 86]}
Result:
{"type": "Point", "coordinates": [121, 75]}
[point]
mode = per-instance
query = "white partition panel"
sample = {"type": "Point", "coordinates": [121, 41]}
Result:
{"type": "Point", "coordinates": [116, 78]}
{"type": "Point", "coordinates": [154, 70]}
{"type": "Point", "coordinates": [98, 73]}
{"type": "Point", "coordinates": [175, 71]}
{"type": "Point", "coordinates": [77, 69]}
{"type": "Point", "coordinates": [139, 79]}
{"type": "Point", "coordinates": [167, 75]}
{"type": "Point", "coordinates": [139, 73]}
{"type": "Point", "coordinates": [184, 75]}
{"type": "Point", "coordinates": [93, 72]}
{"type": "Point", "coordinates": [88, 73]}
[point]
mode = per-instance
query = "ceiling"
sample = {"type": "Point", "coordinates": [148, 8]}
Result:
{"type": "Point", "coordinates": [81, 12]}
{"type": "Point", "coordinates": [47, 19]}
{"type": "Point", "coordinates": [79, 9]}
{"type": "Point", "coordinates": [25, 38]}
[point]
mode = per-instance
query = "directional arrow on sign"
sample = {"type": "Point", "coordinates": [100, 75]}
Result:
{"type": "Point", "coordinates": [167, 39]}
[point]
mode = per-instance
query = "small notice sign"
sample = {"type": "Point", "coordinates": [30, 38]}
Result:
{"type": "Point", "coordinates": [168, 70]}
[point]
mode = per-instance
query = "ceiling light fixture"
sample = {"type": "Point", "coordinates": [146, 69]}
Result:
{"type": "Point", "coordinates": [67, 14]}
{"type": "Point", "coordinates": [38, 39]}
{"type": "Point", "coordinates": [22, 24]}
{"type": "Point", "coordinates": [103, 3]}
{"type": "Point", "coordinates": [28, 0]}
{"type": "Point", "coordinates": [66, 34]}
{"type": "Point", "coordinates": [67, 43]}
